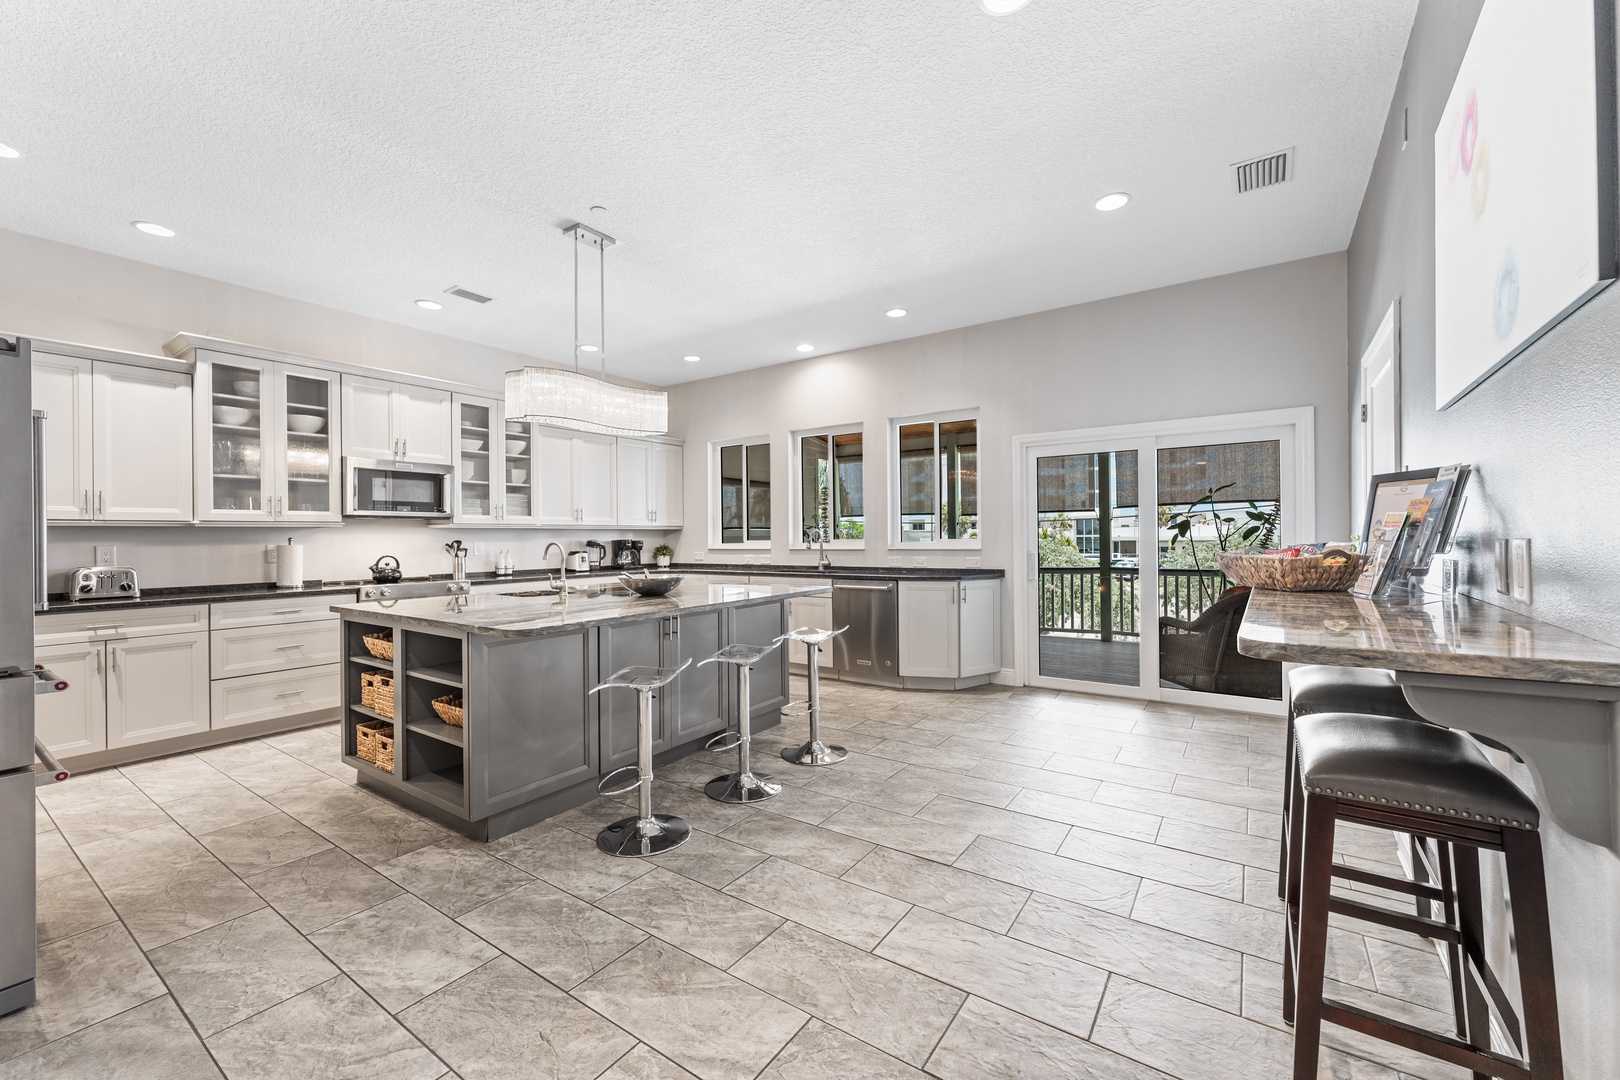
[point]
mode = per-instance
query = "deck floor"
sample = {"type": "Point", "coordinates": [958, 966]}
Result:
{"type": "Point", "coordinates": [1065, 656]}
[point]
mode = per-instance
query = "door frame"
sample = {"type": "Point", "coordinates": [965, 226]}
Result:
{"type": "Point", "coordinates": [1299, 523]}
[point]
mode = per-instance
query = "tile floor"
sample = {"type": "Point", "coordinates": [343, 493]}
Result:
{"type": "Point", "coordinates": [998, 883]}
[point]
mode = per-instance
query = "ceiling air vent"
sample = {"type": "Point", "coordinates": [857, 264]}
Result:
{"type": "Point", "coordinates": [467, 294]}
{"type": "Point", "coordinates": [1263, 172]}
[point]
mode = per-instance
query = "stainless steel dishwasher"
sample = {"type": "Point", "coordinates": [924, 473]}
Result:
{"type": "Point", "coordinates": [870, 607]}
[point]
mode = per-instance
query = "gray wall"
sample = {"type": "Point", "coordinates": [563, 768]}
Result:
{"type": "Point", "coordinates": [1544, 436]}
{"type": "Point", "coordinates": [1270, 338]}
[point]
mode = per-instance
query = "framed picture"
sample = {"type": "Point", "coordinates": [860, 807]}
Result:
{"type": "Point", "coordinates": [1524, 184]}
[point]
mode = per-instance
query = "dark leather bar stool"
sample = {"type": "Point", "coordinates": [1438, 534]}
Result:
{"type": "Point", "coordinates": [1431, 782]}
{"type": "Point", "coordinates": [1319, 688]}
{"type": "Point", "coordinates": [814, 752]}
{"type": "Point", "coordinates": [744, 785]}
{"type": "Point", "coordinates": [645, 833]}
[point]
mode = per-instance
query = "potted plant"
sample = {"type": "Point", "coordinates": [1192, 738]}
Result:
{"type": "Point", "coordinates": [663, 553]}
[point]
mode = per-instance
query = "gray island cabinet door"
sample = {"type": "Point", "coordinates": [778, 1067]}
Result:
{"type": "Point", "coordinates": [760, 624]}
{"type": "Point", "coordinates": [697, 707]}
{"type": "Point", "coordinates": [629, 645]}
{"type": "Point", "coordinates": [531, 726]}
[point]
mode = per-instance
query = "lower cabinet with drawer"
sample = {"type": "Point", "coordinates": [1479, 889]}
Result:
{"type": "Point", "coordinates": [123, 692]}
{"type": "Point", "coordinates": [250, 699]}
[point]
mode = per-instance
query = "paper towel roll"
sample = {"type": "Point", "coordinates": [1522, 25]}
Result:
{"type": "Point", "coordinates": [289, 565]}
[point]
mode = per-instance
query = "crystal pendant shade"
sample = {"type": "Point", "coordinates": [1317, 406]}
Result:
{"type": "Point", "coordinates": [571, 399]}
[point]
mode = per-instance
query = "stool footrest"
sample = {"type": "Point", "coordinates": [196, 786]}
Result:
{"type": "Point", "coordinates": [726, 740]}
{"type": "Point", "coordinates": [1396, 920]}
{"type": "Point", "coordinates": [1443, 1047]}
{"type": "Point", "coordinates": [601, 785]}
{"type": "Point", "coordinates": [1393, 884]}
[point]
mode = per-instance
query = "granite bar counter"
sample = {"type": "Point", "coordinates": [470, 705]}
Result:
{"type": "Point", "coordinates": [534, 741]}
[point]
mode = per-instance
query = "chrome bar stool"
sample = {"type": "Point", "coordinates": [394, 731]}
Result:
{"type": "Point", "coordinates": [744, 785]}
{"type": "Point", "coordinates": [646, 833]}
{"type": "Point", "coordinates": [814, 752]}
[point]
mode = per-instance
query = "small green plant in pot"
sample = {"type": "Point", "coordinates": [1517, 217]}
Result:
{"type": "Point", "coordinates": [662, 554]}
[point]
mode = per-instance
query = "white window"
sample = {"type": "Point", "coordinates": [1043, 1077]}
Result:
{"type": "Point", "coordinates": [936, 481]}
{"type": "Point", "coordinates": [830, 488]}
{"type": "Point", "coordinates": [741, 506]}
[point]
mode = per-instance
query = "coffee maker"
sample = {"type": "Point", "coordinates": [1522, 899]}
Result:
{"type": "Point", "coordinates": [627, 553]}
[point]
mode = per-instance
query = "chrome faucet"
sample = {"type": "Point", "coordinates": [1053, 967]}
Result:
{"type": "Point", "coordinates": [818, 536]}
{"type": "Point", "coordinates": [562, 566]}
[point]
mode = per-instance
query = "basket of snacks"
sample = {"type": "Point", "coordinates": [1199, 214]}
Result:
{"type": "Point", "coordinates": [1294, 569]}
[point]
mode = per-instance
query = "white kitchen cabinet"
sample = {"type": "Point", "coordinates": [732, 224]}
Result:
{"type": "Point", "coordinates": [73, 721]}
{"type": "Point", "coordinates": [157, 688]}
{"type": "Point", "coordinates": [279, 462]}
{"type": "Point", "coordinates": [396, 421]}
{"type": "Point", "coordinates": [62, 390]}
{"type": "Point", "coordinates": [250, 699]}
{"type": "Point", "coordinates": [950, 629]}
{"type": "Point", "coordinates": [576, 477]}
{"type": "Point", "coordinates": [649, 484]}
{"type": "Point", "coordinates": [495, 470]}
{"type": "Point", "coordinates": [141, 443]}
{"type": "Point", "coordinates": [814, 612]}
{"type": "Point", "coordinates": [254, 650]}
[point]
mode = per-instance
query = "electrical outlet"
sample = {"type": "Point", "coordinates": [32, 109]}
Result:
{"type": "Point", "coordinates": [895, 560]}
{"type": "Point", "coordinates": [1519, 558]}
{"type": "Point", "coordinates": [1504, 567]}
{"type": "Point", "coordinates": [478, 547]}
{"type": "Point", "coordinates": [920, 560]}
{"type": "Point", "coordinates": [699, 556]}
{"type": "Point", "coordinates": [106, 555]}
{"type": "Point", "coordinates": [269, 554]}
{"type": "Point", "coordinates": [973, 562]}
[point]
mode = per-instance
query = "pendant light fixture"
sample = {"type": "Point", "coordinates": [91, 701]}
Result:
{"type": "Point", "coordinates": [572, 399]}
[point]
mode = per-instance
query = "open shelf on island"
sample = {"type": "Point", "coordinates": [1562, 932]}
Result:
{"type": "Point", "coordinates": [445, 786]}
{"type": "Point", "coordinates": [438, 729]}
{"type": "Point", "coordinates": [369, 713]}
{"type": "Point", "coordinates": [442, 675]}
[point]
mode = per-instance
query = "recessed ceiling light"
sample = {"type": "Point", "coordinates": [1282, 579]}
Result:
{"type": "Point", "coordinates": [896, 313]}
{"type": "Point", "coordinates": [807, 348]}
{"type": "Point", "coordinates": [9, 152]}
{"type": "Point", "coordinates": [589, 348]}
{"type": "Point", "coordinates": [691, 359]}
{"type": "Point", "coordinates": [1002, 7]}
{"type": "Point", "coordinates": [152, 229]}
{"type": "Point", "coordinates": [429, 305]}
{"type": "Point", "coordinates": [1113, 201]}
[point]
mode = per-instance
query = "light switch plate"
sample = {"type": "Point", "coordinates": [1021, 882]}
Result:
{"type": "Point", "coordinates": [699, 556]}
{"type": "Point", "coordinates": [973, 562]}
{"type": "Point", "coordinates": [478, 547]}
{"type": "Point", "coordinates": [106, 555]}
{"type": "Point", "coordinates": [1519, 558]}
{"type": "Point", "coordinates": [1504, 567]}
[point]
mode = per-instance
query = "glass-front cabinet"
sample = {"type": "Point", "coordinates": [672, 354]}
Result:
{"type": "Point", "coordinates": [267, 446]}
{"type": "Point", "coordinates": [495, 465]}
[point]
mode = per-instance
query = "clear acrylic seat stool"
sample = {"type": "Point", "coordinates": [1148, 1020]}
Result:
{"type": "Point", "coordinates": [646, 833]}
{"type": "Point", "coordinates": [814, 752]}
{"type": "Point", "coordinates": [744, 785]}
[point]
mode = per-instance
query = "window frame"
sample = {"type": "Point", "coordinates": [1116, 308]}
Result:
{"type": "Point", "coordinates": [948, 416]}
{"type": "Point", "coordinates": [796, 484]}
{"type": "Point", "coordinates": [716, 529]}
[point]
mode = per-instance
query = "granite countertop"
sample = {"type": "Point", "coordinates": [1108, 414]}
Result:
{"type": "Point", "coordinates": [506, 615]}
{"type": "Point", "coordinates": [1422, 632]}
{"type": "Point", "coordinates": [200, 594]}
{"type": "Point", "coordinates": [904, 573]}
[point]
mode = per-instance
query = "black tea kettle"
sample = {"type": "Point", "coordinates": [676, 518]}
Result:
{"type": "Point", "coordinates": [386, 571]}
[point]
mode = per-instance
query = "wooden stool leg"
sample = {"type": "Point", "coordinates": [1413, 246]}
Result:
{"type": "Point", "coordinates": [1314, 887]}
{"type": "Point", "coordinates": [1474, 1014]}
{"type": "Point", "coordinates": [1290, 793]}
{"type": "Point", "coordinates": [1293, 852]}
{"type": "Point", "coordinates": [1527, 888]}
{"type": "Point", "coordinates": [1455, 959]}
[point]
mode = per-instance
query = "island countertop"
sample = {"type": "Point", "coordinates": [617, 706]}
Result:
{"type": "Point", "coordinates": [510, 615]}
{"type": "Point", "coordinates": [1422, 632]}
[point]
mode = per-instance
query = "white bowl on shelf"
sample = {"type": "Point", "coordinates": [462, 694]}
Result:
{"type": "Point", "coordinates": [231, 416]}
{"type": "Point", "coordinates": [246, 388]}
{"type": "Point", "coordinates": [516, 476]}
{"type": "Point", "coordinates": [517, 447]}
{"type": "Point", "coordinates": [305, 425]}
{"type": "Point", "coordinates": [472, 444]}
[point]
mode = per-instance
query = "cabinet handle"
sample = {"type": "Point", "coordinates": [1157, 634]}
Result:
{"type": "Point", "coordinates": [404, 448]}
{"type": "Point", "coordinates": [86, 502]}
{"type": "Point", "coordinates": [289, 693]}
{"type": "Point", "coordinates": [100, 503]}
{"type": "Point", "coordinates": [291, 611]}
{"type": "Point", "coordinates": [98, 661]}
{"type": "Point", "coordinates": [295, 645]}
{"type": "Point", "coordinates": [112, 660]}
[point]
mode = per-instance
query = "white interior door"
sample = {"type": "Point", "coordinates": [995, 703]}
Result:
{"type": "Point", "coordinates": [1381, 405]}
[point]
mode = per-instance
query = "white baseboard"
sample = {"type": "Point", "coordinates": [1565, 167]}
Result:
{"type": "Point", "coordinates": [1006, 677]}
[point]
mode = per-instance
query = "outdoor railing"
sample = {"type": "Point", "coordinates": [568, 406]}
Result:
{"type": "Point", "coordinates": [1073, 600]}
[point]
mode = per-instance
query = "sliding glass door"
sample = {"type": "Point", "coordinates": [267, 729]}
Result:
{"type": "Point", "coordinates": [1124, 592]}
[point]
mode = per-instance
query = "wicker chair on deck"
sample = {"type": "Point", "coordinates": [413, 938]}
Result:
{"type": "Point", "coordinates": [1203, 654]}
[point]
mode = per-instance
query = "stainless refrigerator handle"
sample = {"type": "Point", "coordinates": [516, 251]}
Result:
{"type": "Point", "coordinates": [54, 772]}
{"type": "Point", "coordinates": [41, 588]}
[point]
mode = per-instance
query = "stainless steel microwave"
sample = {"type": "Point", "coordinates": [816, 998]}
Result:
{"type": "Point", "coordinates": [377, 487]}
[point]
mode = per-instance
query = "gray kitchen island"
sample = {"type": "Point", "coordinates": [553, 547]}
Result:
{"type": "Point", "coordinates": [534, 742]}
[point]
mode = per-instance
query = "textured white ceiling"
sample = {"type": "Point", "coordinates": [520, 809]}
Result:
{"type": "Point", "coordinates": [776, 172]}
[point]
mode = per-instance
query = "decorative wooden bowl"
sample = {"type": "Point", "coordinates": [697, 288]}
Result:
{"type": "Point", "coordinates": [1308, 573]}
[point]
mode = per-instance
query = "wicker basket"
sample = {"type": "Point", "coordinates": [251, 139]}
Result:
{"type": "Point", "coordinates": [380, 644]}
{"type": "Point", "coordinates": [449, 709]}
{"type": "Point", "coordinates": [1308, 573]}
{"type": "Point", "coordinates": [377, 692]}
{"type": "Point", "coordinates": [374, 742]}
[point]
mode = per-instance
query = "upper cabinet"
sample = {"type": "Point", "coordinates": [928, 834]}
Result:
{"type": "Point", "coordinates": [267, 441]}
{"type": "Point", "coordinates": [576, 477]}
{"type": "Point", "coordinates": [118, 439]}
{"type": "Point", "coordinates": [396, 421]}
{"type": "Point", "coordinates": [494, 467]}
{"type": "Point", "coordinates": [649, 484]}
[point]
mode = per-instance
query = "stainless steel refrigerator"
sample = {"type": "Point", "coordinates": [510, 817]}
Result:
{"type": "Point", "coordinates": [22, 592]}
